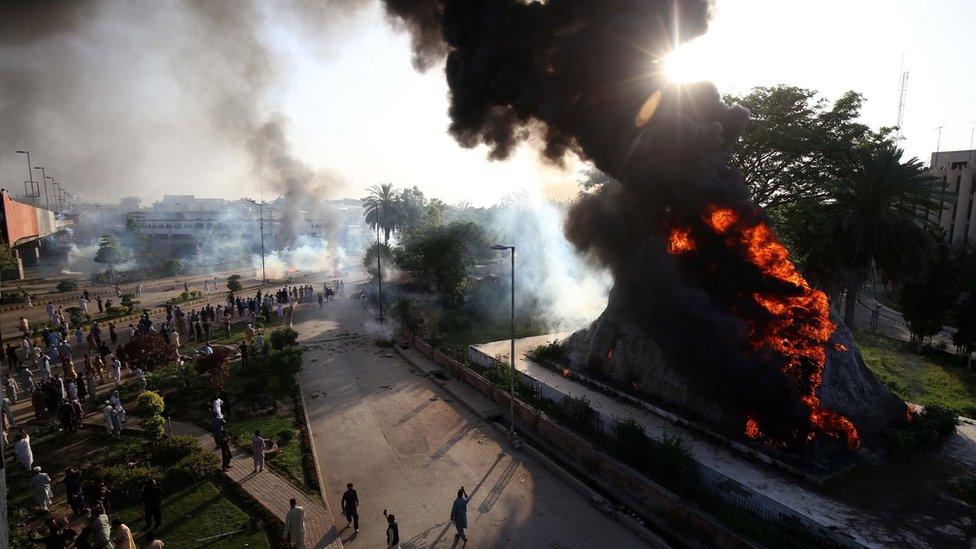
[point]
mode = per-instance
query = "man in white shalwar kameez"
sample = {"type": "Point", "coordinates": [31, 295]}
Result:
{"type": "Point", "coordinates": [295, 526]}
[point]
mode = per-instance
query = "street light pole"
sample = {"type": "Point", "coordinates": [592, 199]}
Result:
{"type": "Point", "coordinates": [511, 394]}
{"type": "Point", "coordinates": [54, 187]}
{"type": "Point", "coordinates": [379, 267]}
{"type": "Point", "coordinates": [47, 199]}
{"type": "Point", "coordinates": [30, 175]}
{"type": "Point", "coordinates": [264, 275]}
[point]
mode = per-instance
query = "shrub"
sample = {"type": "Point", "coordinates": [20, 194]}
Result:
{"type": "Point", "coordinates": [283, 337]}
{"type": "Point", "coordinates": [171, 267]}
{"type": "Point", "coordinates": [149, 351]}
{"type": "Point", "coordinates": [927, 430]}
{"type": "Point", "coordinates": [67, 286]}
{"type": "Point", "coordinates": [126, 482]}
{"type": "Point", "coordinates": [234, 283]}
{"type": "Point", "coordinates": [215, 365]}
{"type": "Point", "coordinates": [13, 296]}
{"type": "Point", "coordinates": [550, 352]}
{"type": "Point", "coordinates": [171, 450]}
{"type": "Point", "coordinates": [285, 436]}
{"type": "Point", "coordinates": [150, 407]}
{"type": "Point", "coordinates": [576, 412]}
{"type": "Point", "coordinates": [116, 311]}
{"type": "Point", "coordinates": [75, 316]}
{"type": "Point", "coordinates": [194, 467]}
{"type": "Point", "coordinates": [287, 360]}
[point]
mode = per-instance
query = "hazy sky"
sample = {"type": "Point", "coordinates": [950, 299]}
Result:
{"type": "Point", "coordinates": [359, 110]}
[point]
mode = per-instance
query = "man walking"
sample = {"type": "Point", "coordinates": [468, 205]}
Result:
{"type": "Point", "coordinates": [295, 525]}
{"type": "Point", "coordinates": [392, 531]}
{"type": "Point", "coordinates": [459, 514]}
{"type": "Point", "coordinates": [225, 455]}
{"type": "Point", "coordinates": [350, 503]}
{"type": "Point", "coordinates": [152, 501]}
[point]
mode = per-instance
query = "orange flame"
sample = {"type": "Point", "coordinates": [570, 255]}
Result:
{"type": "Point", "coordinates": [610, 354]}
{"type": "Point", "coordinates": [796, 323]}
{"type": "Point", "coordinates": [680, 241]}
{"type": "Point", "coordinates": [567, 372]}
{"type": "Point", "coordinates": [752, 429]}
{"type": "Point", "coordinates": [840, 347]}
{"type": "Point", "coordinates": [719, 219]}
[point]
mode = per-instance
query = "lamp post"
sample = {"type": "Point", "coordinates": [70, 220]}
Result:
{"type": "Point", "coordinates": [30, 174]}
{"type": "Point", "coordinates": [260, 205]}
{"type": "Point", "coordinates": [54, 191]}
{"type": "Point", "coordinates": [511, 394]}
{"type": "Point", "coordinates": [379, 267]}
{"type": "Point", "coordinates": [47, 199]}
{"type": "Point", "coordinates": [31, 194]}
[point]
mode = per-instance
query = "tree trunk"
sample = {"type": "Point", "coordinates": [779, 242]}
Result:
{"type": "Point", "coordinates": [850, 303]}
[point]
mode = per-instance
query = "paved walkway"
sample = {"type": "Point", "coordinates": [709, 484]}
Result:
{"type": "Point", "coordinates": [272, 491]}
{"type": "Point", "coordinates": [408, 446]}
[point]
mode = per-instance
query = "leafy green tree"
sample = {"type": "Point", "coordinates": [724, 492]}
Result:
{"type": "Point", "coordinates": [925, 303]}
{"type": "Point", "coordinates": [172, 267]}
{"type": "Point", "coordinates": [234, 283]}
{"type": "Point", "coordinates": [7, 259]}
{"type": "Point", "coordinates": [111, 252]}
{"type": "Point", "coordinates": [369, 258]}
{"type": "Point", "coordinates": [439, 257]}
{"type": "Point", "coordinates": [380, 209]}
{"type": "Point", "coordinates": [794, 142]}
{"type": "Point", "coordinates": [416, 212]}
{"type": "Point", "coordinates": [875, 222]}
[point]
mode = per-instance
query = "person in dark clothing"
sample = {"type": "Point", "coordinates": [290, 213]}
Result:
{"type": "Point", "coordinates": [72, 485]}
{"type": "Point", "coordinates": [12, 359]}
{"type": "Point", "coordinates": [392, 530]}
{"type": "Point", "coordinates": [243, 351]}
{"type": "Point", "coordinates": [152, 500]}
{"type": "Point", "coordinates": [66, 414]}
{"type": "Point", "coordinates": [59, 535]}
{"type": "Point", "coordinates": [225, 456]}
{"type": "Point", "coordinates": [101, 307]}
{"type": "Point", "coordinates": [350, 504]}
{"type": "Point", "coordinates": [113, 337]}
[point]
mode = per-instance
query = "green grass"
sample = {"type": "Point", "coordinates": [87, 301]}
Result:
{"type": "Point", "coordinates": [193, 513]}
{"type": "Point", "coordinates": [289, 457]}
{"type": "Point", "coordinates": [926, 378]}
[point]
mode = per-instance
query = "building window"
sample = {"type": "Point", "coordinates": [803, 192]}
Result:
{"type": "Point", "coordinates": [169, 225]}
{"type": "Point", "coordinates": [198, 226]}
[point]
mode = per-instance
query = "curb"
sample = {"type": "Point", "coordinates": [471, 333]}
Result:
{"type": "Point", "coordinates": [594, 498]}
{"type": "Point", "coordinates": [311, 440]}
{"type": "Point", "coordinates": [591, 495]}
{"type": "Point", "coordinates": [442, 385]}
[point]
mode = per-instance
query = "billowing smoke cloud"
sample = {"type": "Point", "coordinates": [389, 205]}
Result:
{"type": "Point", "coordinates": [110, 95]}
{"type": "Point", "coordinates": [583, 78]}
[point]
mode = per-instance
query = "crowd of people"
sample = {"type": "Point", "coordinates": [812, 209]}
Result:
{"type": "Point", "coordinates": [63, 387]}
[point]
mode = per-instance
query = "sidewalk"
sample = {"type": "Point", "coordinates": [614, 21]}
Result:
{"type": "Point", "coordinates": [272, 491]}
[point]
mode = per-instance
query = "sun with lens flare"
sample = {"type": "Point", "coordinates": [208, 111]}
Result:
{"type": "Point", "coordinates": [688, 63]}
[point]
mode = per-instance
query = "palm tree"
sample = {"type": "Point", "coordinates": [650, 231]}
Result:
{"type": "Point", "coordinates": [380, 209]}
{"type": "Point", "coordinates": [881, 218]}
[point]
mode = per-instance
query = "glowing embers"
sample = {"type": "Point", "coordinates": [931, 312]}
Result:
{"type": "Point", "coordinates": [679, 241]}
{"type": "Point", "coordinates": [752, 429]}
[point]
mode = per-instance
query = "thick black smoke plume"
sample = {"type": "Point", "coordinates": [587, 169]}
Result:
{"type": "Point", "coordinates": [577, 74]}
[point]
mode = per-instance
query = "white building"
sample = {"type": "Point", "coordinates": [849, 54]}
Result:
{"type": "Point", "coordinates": [955, 174]}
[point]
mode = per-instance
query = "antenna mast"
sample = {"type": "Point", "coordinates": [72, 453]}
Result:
{"type": "Point", "coordinates": [902, 92]}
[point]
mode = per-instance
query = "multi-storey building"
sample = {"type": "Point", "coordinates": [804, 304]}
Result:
{"type": "Point", "coordinates": [955, 175]}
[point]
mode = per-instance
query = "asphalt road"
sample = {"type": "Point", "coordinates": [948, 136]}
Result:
{"type": "Point", "coordinates": [408, 447]}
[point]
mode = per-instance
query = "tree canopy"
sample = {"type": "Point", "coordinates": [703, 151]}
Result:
{"type": "Point", "coordinates": [380, 209]}
{"type": "Point", "coordinates": [795, 142]}
{"type": "Point", "coordinates": [110, 251]}
{"type": "Point", "coordinates": [440, 256]}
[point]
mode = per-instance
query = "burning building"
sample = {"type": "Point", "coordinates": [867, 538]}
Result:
{"type": "Point", "coordinates": [707, 312]}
